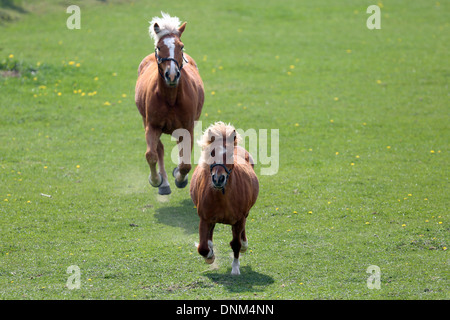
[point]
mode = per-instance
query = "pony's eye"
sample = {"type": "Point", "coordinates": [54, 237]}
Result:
{"type": "Point", "coordinates": [182, 48]}
{"type": "Point", "coordinates": [159, 49]}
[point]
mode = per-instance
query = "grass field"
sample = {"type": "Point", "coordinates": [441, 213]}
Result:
{"type": "Point", "coordinates": [363, 151]}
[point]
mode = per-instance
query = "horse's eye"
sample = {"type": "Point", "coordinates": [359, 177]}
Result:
{"type": "Point", "coordinates": [182, 48]}
{"type": "Point", "coordinates": [159, 49]}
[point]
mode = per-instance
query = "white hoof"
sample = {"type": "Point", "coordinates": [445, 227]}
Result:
{"type": "Point", "coordinates": [235, 267]}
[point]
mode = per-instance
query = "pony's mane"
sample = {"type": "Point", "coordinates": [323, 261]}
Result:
{"type": "Point", "coordinates": [218, 129]}
{"type": "Point", "coordinates": [167, 24]}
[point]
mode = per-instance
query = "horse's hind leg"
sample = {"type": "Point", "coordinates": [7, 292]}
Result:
{"type": "Point", "coordinates": [205, 247]}
{"type": "Point", "coordinates": [244, 242]}
{"type": "Point", "coordinates": [180, 172]}
{"type": "Point", "coordinates": [152, 137]}
{"type": "Point", "coordinates": [164, 188]}
{"type": "Point", "coordinates": [236, 245]}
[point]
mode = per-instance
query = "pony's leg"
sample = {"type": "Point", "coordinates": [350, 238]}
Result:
{"type": "Point", "coordinates": [205, 247]}
{"type": "Point", "coordinates": [211, 232]}
{"type": "Point", "coordinates": [180, 172]}
{"type": "Point", "coordinates": [236, 245]}
{"type": "Point", "coordinates": [152, 137]}
{"type": "Point", "coordinates": [164, 188]}
{"type": "Point", "coordinates": [244, 241]}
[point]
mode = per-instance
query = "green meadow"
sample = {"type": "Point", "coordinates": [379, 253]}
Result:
{"type": "Point", "coordinates": [362, 180]}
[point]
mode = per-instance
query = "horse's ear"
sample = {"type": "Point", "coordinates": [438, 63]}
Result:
{"type": "Point", "coordinates": [181, 29]}
{"type": "Point", "coordinates": [234, 137]}
{"type": "Point", "coordinates": [156, 28]}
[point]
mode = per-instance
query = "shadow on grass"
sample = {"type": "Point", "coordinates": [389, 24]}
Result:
{"type": "Point", "coordinates": [182, 215]}
{"type": "Point", "coordinates": [10, 11]}
{"type": "Point", "coordinates": [248, 281]}
{"type": "Point", "coordinates": [9, 4]}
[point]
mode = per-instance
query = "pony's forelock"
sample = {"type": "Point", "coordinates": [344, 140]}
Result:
{"type": "Point", "coordinates": [218, 129]}
{"type": "Point", "coordinates": [167, 25]}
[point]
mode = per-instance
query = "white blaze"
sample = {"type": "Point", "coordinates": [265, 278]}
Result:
{"type": "Point", "coordinates": [170, 43]}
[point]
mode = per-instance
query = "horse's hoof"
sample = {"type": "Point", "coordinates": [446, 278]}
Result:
{"type": "Point", "coordinates": [210, 260]}
{"type": "Point", "coordinates": [181, 184]}
{"type": "Point", "coordinates": [164, 190]}
{"type": "Point", "coordinates": [158, 185]}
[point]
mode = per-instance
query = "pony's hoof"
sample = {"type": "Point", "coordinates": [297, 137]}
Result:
{"type": "Point", "coordinates": [210, 260]}
{"type": "Point", "coordinates": [153, 185]}
{"type": "Point", "coordinates": [181, 184]}
{"type": "Point", "coordinates": [164, 190]}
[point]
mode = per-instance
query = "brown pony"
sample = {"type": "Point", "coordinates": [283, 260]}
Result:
{"type": "Point", "coordinates": [224, 187]}
{"type": "Point", "coordinates": [169, 96]}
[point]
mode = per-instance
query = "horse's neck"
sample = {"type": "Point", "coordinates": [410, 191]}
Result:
{"type": "Point", "coordinates": [169, 94]}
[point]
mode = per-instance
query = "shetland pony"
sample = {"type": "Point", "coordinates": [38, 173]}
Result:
{"type": "Point", "coordinates": [224, 187]}
{"type": "Point", "coordinates": [169, 96]}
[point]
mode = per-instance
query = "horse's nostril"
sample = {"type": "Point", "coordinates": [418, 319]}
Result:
{"type": "Point", "coordinates": [167, 74]}
{"type": "Point", "coordinates": [214, 180]}
{"type": "Point", "coordinates": [221, 179]}
{"type": "Point", "coordinates": [178, 74]}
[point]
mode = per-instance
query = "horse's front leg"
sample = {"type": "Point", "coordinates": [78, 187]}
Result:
{"type": "Point", "coordinates": [205, 247]}
{"type": "Point", "coordinates": [152, 137]}
{"type": "Point", "coordinates": [164, 188]}
{"type": "Point", "coordinates": [180, 173]}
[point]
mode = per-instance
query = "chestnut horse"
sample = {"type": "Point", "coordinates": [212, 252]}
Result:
{"type": "Point", "coordinates": [224, 187]}
{"type": "Point", "coordinates": [169, 96]}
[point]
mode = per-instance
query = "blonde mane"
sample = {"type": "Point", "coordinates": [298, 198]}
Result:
{"type": "Point", "coordinates": [167, 25]}
{"type": "Point", "coordinates": [218, 130]}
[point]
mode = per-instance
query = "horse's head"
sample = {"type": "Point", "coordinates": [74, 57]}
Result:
{"type": "Point", "coordinates": [218, 144]}
{"type": "Point", "coordinates": [168, 47]}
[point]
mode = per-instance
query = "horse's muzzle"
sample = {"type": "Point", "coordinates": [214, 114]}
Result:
{"type": "Point", "coordinates": [172, 78]}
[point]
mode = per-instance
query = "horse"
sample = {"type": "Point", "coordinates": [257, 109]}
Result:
{"type": "Point", "coordinates": [169, 95]}
{"type": "Point", "coordinates": [224, 187]}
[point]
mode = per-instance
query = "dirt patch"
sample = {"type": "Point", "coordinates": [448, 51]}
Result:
{"type": "Point", "coordinates": [10, 73]}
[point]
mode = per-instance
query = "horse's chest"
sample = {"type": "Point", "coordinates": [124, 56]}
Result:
{"type": "Point", "coordinates": [170, 119]}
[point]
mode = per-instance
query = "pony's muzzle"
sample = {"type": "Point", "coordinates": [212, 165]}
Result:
{"type": "Point", "coordinates": [219, 181]}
